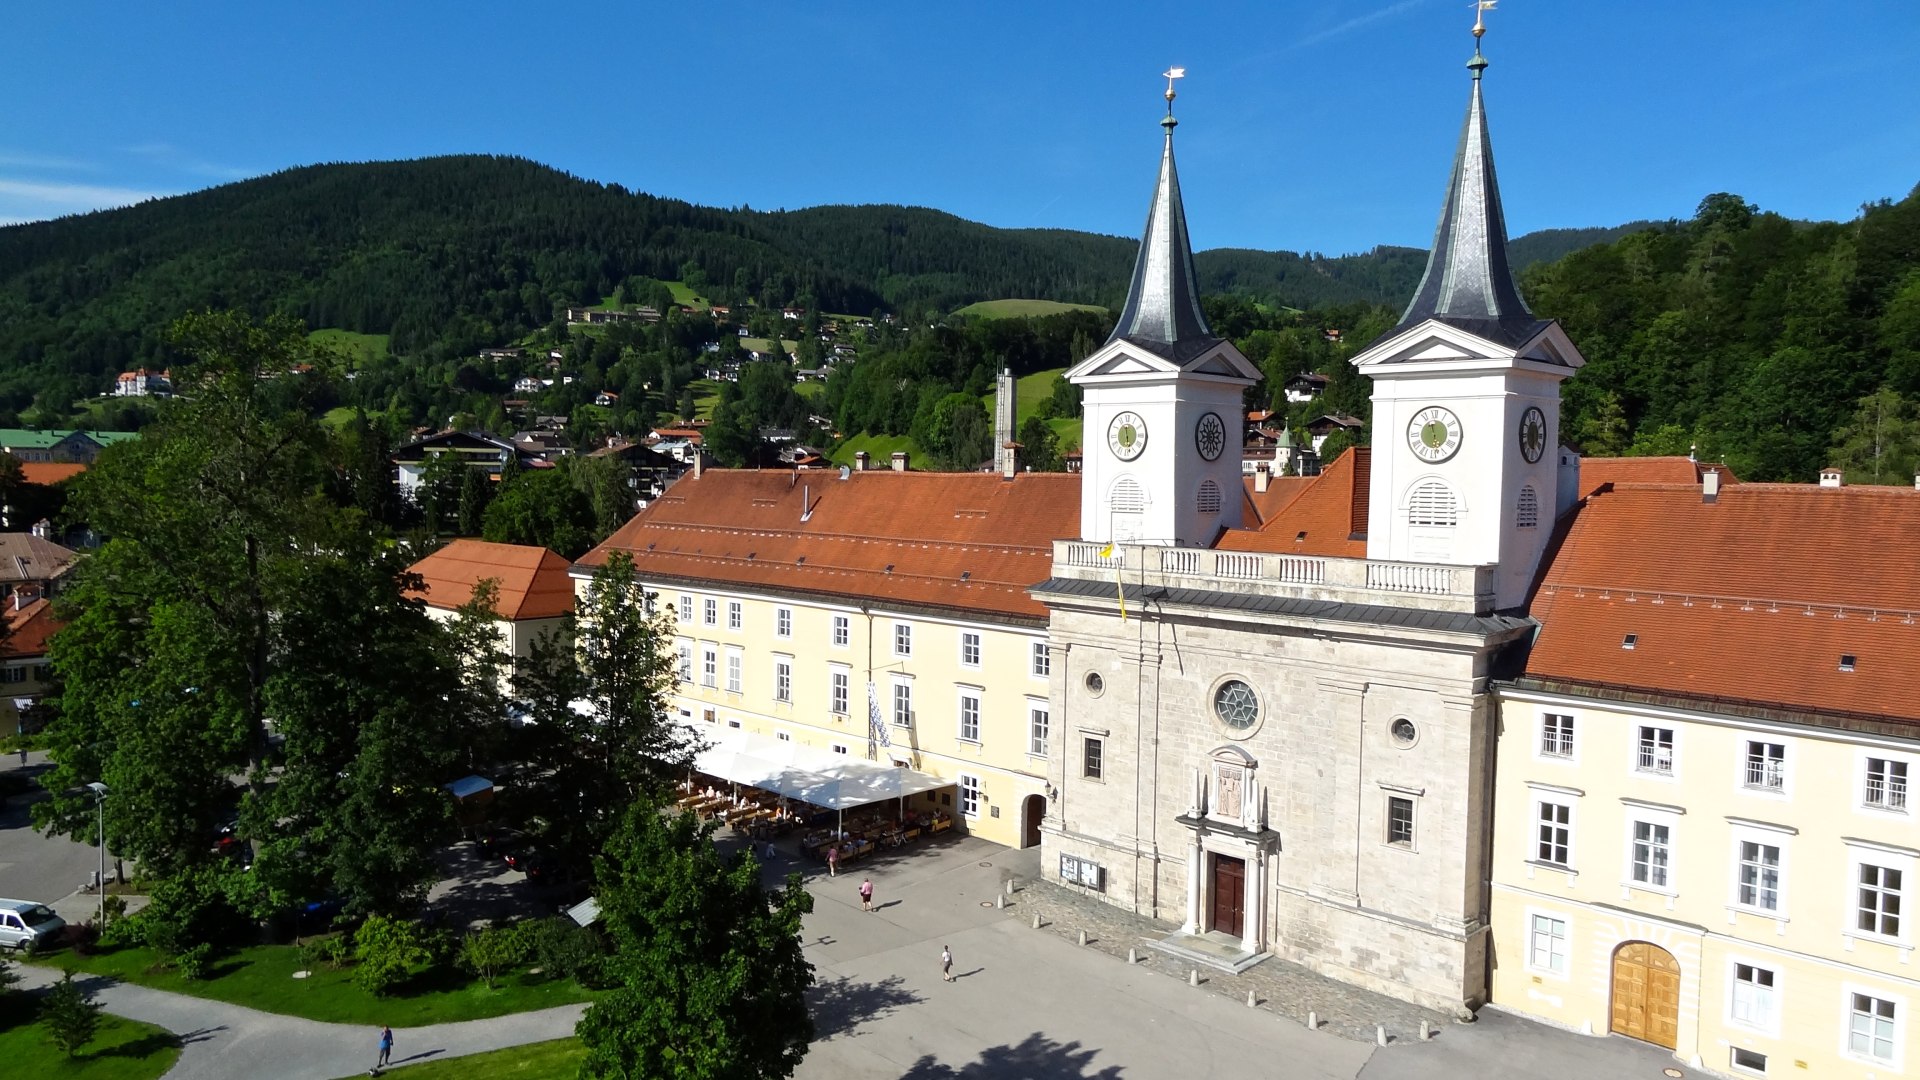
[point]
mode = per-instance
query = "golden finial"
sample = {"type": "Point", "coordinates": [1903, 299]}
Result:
{"type": "Point", "coordinates": [1171, 74]}
{"type": "Point", "coordinates": [1480, 9]}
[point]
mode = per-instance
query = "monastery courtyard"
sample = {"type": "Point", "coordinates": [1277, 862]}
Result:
{"type": "Point", "coordinates": [1046, 1008]}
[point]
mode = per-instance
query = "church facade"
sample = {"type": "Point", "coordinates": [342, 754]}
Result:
{"type": "Point", "coordinates": [1286, 745]}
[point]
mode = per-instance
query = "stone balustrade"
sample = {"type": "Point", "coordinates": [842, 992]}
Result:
{"type": "Point", "coordinates": [1354, 581]}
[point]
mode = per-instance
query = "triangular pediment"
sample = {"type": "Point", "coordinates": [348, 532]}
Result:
{"type": "Point", "coordinates": [1436, 345]}
{"type": "Point", "coordinates": [1117, 359]}
{"type": "Point", "coordinates": [1216, 364]}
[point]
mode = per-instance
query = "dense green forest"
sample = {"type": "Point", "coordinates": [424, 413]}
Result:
{"type": "Point", "coordinates": [1748, 336]}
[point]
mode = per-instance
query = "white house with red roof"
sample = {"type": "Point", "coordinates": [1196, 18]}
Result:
{"type": "Point", "coordinates": [533, 593]}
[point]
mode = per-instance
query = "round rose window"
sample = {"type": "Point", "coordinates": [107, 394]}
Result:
{"type": "Point", "coordinates": [1236, 704]}
{"type": "Point", "coordinates": [1095, 683]}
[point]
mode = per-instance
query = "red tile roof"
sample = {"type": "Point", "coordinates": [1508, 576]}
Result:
{"type": "Point", "coordinates": [1281, 490]}
{"type": "Point", "coordinates": [533, 582]}
{"type": "Point", "coordinates": [29, 628]}
{"type": "Point", "coordinates": [964, 541]}
{"type": "Point", "coordinates": [1752, 598]}
{"type": "Point", "coordinates": [50, 472]}
{"type": "Point", "coordinates": [1595, 471]}
{"type": "Point", "coordinates": [1331, 511]}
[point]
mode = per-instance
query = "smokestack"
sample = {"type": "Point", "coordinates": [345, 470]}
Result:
{"type": "Point", "coordinates": [899, 461]}
{"type": "Point", "coordinates": [1005, 410]}
{"type": "Point", "coordinates": [1710, 485]}
{"type": "Point", "coordinates": [699, 463]}
{"type": "Point", "coordinates": [1262, 476]}
{"type": "Point", "coordinates": [862, 461]}
{"type": "Point", "coordinates": [1009, 461]}
{"type": "Point", "coordinates": [1831, 478]}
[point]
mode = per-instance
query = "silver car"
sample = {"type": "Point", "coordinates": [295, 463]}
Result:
{"type": "Point", "coordinates": [26, 925]}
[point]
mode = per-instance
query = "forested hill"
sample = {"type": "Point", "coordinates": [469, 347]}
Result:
{"type": "Point", "coordinates": [451, 254]}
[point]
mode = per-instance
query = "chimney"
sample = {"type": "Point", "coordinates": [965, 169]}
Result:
{"type": "Point", "coordinates": [1009, 461]}
{"type": "Point", "coordinates": [1262, 476]}
{"type": "Point", "coordinates": [1831, 477]}
{"type": "Point", "coordinates": [1709, 485]}
{"type": "Point", "coordinates": [699, 463]}
{"type": "Point", "coordinates": [44, 528]}
{"type": "Point", "coordinates": [1006, 411]}
{"type": "Point", "coordinates": [862, 461]}
{"type": "Point", "coordinates": [899, 461]}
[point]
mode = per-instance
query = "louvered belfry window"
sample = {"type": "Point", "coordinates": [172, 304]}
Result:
{"type": "Point", "coordinates": [1209, 499]}
{"type": "Point", "coordinates": [1527, 514]}
{"type": "Point", "coordinates": [1129, 497]}
{"type": "Point", "coordinates": [1432, 504]}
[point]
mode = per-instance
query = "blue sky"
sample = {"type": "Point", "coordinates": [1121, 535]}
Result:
{"type": "Point", "coordinates": [1310, 127]}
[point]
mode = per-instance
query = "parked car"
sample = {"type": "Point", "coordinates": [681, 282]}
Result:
{"type": "Point", "coordinates": [26, 925]}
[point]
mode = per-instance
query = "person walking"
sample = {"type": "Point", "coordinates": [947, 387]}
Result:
{"type": "Point", "coordinates": [386, 1051]}
{"type": "Point", "coordinates": [866, 895]}
{"type": "Point", "coordinates": [833, 859]}
{"type": "Point", "coordinates": [946, 964]}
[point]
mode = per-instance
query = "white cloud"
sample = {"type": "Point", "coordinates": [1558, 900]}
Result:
{"type": "Point", "coordinates": [18, 159]}
{"type": "Point", "coordinates": [32, 200]}
{"type": "Point", "coordinates": [172, 157]}
{"type": "Point", "coordinates": [1357, 22]}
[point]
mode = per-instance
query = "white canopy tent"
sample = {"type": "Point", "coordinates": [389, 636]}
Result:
{"type": "Point", "coordinates": [803, 773]}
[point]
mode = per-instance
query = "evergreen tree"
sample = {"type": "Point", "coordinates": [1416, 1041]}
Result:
{"type": "Point", "coordinates": [70, 1015]}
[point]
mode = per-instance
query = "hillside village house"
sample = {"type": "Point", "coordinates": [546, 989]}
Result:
{"type": "Point", "coordinates": [143, 383]}
{"type": "Point", "coordinates": [80, 447]}
{"type": "Point", "coordinates": [534, 594]}
{"type": "Point", "coordinates": [24, 675]}
{"type": "Point", "coordinates": [475, 450]}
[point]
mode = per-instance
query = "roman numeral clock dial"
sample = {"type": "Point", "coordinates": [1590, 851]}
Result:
{"type": "Point", "coordinates": [1434, 435]}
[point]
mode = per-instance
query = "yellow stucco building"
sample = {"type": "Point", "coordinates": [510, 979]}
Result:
{"type": "Point", "coordinates": [1704, 833]}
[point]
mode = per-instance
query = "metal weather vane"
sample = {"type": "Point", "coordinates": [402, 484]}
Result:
{"type": "Point", "coordinates": [1480, 9]}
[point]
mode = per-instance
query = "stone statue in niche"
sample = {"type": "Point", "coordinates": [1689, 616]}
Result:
{"type": "Point", "coordinates": [1227, 784]}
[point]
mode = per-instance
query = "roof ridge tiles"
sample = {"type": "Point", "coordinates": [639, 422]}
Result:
{"type": "Point", "coordinates": [1905, 616]}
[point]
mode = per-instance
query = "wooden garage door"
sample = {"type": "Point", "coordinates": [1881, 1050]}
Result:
{"type": "Point", "coordinates": [1646, 994]}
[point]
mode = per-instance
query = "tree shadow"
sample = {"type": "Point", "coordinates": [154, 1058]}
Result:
{"type": "Point", "coordinates": [841, 1005]}
{"type": "Point", "coordinates": [1036, 1058]}
{"type": "Point", "coordinates": [136, 1049]}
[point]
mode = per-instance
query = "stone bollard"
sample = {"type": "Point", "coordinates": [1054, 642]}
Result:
{"type": "Point", "coordinates": [1133, 956]}
{"type": "Point", "coordinates": [1426, 1030]}
{"type": "Point", "coordinates": [1251, 1003]}
{"type": "Point", "coordinates": [1313, 1021]}
{"type": "Point", "coordinates": [1009, 886]}
{"type": "Point", "coordinates": [1380, 1034]}
{"type": "Point", "coordinates": [1083, 937]}
{"type": "Point", "coordinates": [1000, 901]}
{"type": "Point", "coordinates": [1193, 977]}
{"type": "Point", "coordinates": [1036, 922]}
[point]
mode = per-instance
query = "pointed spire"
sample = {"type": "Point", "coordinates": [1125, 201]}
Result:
{"type": "Point", "coordinates": [1468, 279]}
{"type": "Point", "coordinates": [1162, 313]}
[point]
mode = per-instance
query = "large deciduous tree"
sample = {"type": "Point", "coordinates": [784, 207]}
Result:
{"type": "Point", "coordinates": [709, 970]}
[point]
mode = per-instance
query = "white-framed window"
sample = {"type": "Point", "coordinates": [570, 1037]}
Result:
{"type": "Point", "coordinates": [1526, 513]}
{"type": "Point", "coordinates": [1743, 1060]}
{"type": "Point", "coordinates": [783, 622]}
{"type": "Point", "coordinates": [969, 649]}
{"type": "Point", "coordinates": [684, 672]}
{"type": "Point", "coordinates": [1766, 768]}
{"type": "Point", "coordinates": [969, 715]}
{"type": "Point", "coordinates": [1039, 728]}
{"type": "Point", "coordinates": [736, 617]}
{"type": "Point", "coordinates": [842, 632]}
{"type": "Point", "coordinates": [783, 679]}
{"type": "Point", "coordinates": [1873, 1032]}
{"type": "Point", "coordinates": [1877, 894]}
{"type": "Point", "coordinates": [1093, 758]}
{"type": "Point", "coordinates": [1751, 1002]}
{"type": "Point", "coordinates": [1546, 943]}
{"type": "Point", "coordinates": [1400, 820]}
{"type": "Point", "coordinates": [1041, 661]}
{"type": "Point", "coordinates": [837, 683]}
{"type": "Point", "coordinates": [1758, 885]}
{"type": "Point", "coordinates": [1654, 754]}
{"type": "Point", "coordinates": [710, 612]}
{"type": "Point", "coordinates": [1886, 784]}
{"type": "Point", "coordinates": [709, 667]}
{"type": "Point", "coordinates": [735, 663]}
{"type": "Point", "coordinates": [684, 613]}
{"type": "Point", "coordinates": [902, 639]}
{"type": "Point", "coordinates": [1553, 832]}
{"type": "Point", "coordinates": [969, 795]}
{"type": "Point", "coordinates": [903, 703]}
{"type": "Point", "coordinates": [1652, 854]}
{"type": "Point", "coordinates": [1556, 735]}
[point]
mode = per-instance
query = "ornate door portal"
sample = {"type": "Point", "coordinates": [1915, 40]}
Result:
{"type": "Point", "coordinates": [1646, 994]}
{"type": "Point", "coordinates": [1229, 895]}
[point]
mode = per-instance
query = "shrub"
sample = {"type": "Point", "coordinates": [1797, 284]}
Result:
{"type": "Point", "coordinates": [195, 962]}
{"type": "Point", "coordinates": [333, 950]}
{"type": "Point", "coordinates": [487, 952]}
{"type": "Point", "coordinates": [84, 937]}
{"type": "Point", "coordinates": [188, 909]}
{"type": "Point", "coordinates": [566, 950]}
{"type": "Point", "coordinates": [388, 951]}
{"type": "Point", "coordinates": [69, 1015]}
{"type": "Point", "coordinates": [8, 977]}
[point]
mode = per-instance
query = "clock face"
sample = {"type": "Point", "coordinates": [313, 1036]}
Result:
{"type": "Point", "coordinates": [1210, 436]}
{"type": "Point", "coordinates": [1533, 434]}
{"type": "Point", "coordinates": [1434, 435]}
{"type": "Point", "coordinates": [1127, 436]}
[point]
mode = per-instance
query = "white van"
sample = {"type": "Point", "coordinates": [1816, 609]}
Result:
{"type": "Point", "coordinates": [26, 925]}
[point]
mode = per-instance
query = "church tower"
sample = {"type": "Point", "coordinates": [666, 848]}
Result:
{"type": "Point", "coordinates": [1163, 421]}
{"type": "Point", "coordinates": [1466, 394]}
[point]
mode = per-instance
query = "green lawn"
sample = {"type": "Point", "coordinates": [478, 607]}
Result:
{"type": "Point", "coordinates": [684, 295]}
{"type": "Point", "coordinates": [810, 390]}
{"type": "Point", "coordinates": [1031, 390]}
{"type": "Point", "coordinates": [121, 1050]}
{"type": "Point", "coordinates": [556, 1060]}
{"type": "Point", "coordinates": [760, 344]}
{"type": "Point", "coordinates": [1022, 309]}
{"type": "Point", "coordinates": [337, 417]}
{"type": "Point", "coordinates": [261, 977]}
{"type": "Point", "coordinates": [881, 447]}
{"type": "Point", "coordinates": [359, 348]}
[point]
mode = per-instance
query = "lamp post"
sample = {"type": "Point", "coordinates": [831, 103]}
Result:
{"type": "Point", "coordinates": [100, 804]}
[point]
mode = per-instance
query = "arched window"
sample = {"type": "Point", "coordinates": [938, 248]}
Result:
{"type": "Point", "coordinates": [1527, 514]}
{"type": "Point", "coordinates": [1209, 497]}
{"type": "Point", "coordinates": [1128, 496]}
{"type": "Point", "coordinates": [1432, 504]}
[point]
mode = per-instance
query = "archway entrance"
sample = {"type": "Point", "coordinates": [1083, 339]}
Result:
{"type": "Point", "coordinates": [1032, 809]}
{"type": "Point", "coordinates": [1646, 994]}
